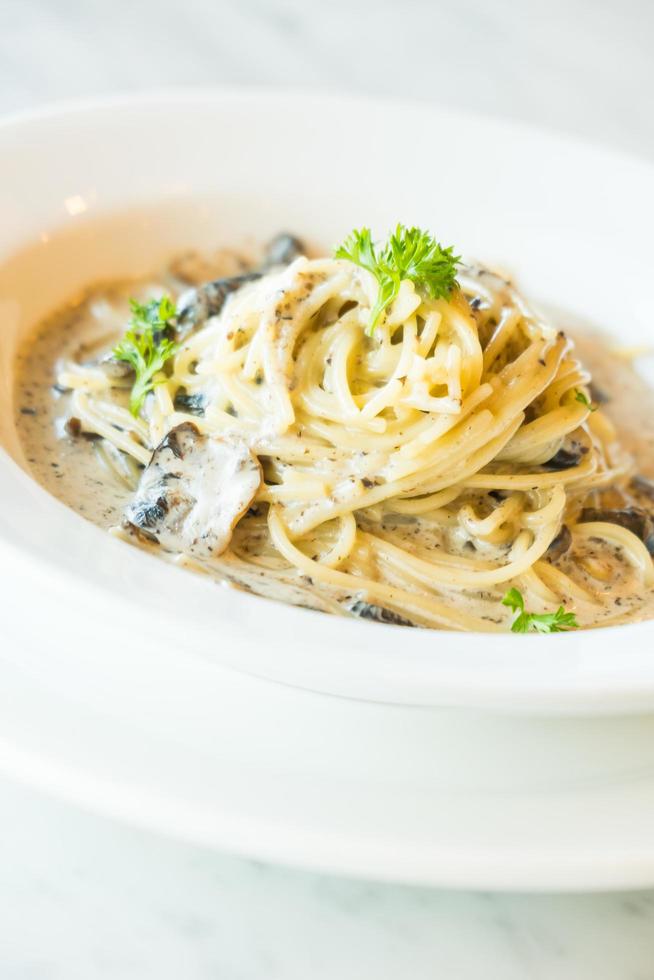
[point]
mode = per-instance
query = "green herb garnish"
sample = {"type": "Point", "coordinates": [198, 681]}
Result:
{"type": "Point", "coordinates": [146, 347]}
{"type": "Point", "coordinates": [581, 396]}
{"type": "Point", "coordinates": [409, 253]}
{"type": "Point", "coordinates": [556, 622]}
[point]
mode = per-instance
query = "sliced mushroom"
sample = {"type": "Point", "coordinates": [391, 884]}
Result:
{"type": "Point", "coordinates": [193, 404]}
{"type": "Point", "coordinates": [632, 518]}
{"type": "Point", "coordinates": [283, 250]}
{"type": "Point", "coordinates": [194, 491]}
{"type": "Point", "coordinates": [114, 369]}
{"type": "Point", "coordinates": [560, 544]}
{"type": "Point", "coordinates": [73, 427]}
{"type": "Point", "coordinates": [644, 487]}
{"type": "Point", "coordinates": [379, 614]}
{"type": "Point", "coordinates": [197, 305]}
{"type": "Point", "coordinates": [568, 455]}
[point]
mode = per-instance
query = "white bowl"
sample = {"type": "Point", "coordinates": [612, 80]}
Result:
{"type": "Point", "coordinates": [112, 189]}
{"type": "Point", "coordinates": [114, 690]}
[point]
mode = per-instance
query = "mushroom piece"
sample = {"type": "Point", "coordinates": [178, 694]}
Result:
{"type": "Point", "coordinates": [378, 614]}
{"type": "Point", "coordinates": [282, 250]}
{"type": "Point", "coordinates": [114, 369]}
{"type": "Point", "coordinates": [194, 404]}
{"type": "Point", "coordinates": [632, 518]}
{"type": "Point", "coordinates": [643, 486]}
{"type": "Point", "coordinates": [560, 544]}
{"type": "Point", "coordinates": [194, 491]}
{"type": "Point", "coordinates": [567, 456]}
{"type": "Point", "coordinates": [73, 427]}
{"type": "Point", "coordinates": [197, 305]}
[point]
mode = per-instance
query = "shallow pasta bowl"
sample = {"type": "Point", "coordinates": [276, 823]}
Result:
{"type": "Point", "coordinates": [142, 690]}
{"type": "Point", "coordinates": [86, 196]}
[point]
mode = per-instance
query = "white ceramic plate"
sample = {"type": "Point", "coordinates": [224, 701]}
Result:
{"type": "Point", "coordinates": [112, 664]}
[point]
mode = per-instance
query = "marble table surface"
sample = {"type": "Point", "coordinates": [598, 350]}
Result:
{"type": "Point", "coordinates": [84, 898]}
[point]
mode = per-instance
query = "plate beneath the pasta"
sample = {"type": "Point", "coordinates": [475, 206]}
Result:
{"type": "Point", "coordinates": [134, 649]}
{"type": "Point", "coordinates": [418, 446]}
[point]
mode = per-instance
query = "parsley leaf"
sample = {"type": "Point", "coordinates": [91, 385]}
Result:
{"type": "Point", "coordinates": [556, 622]}
{"type": "Point", "coordinates": [409, 254]}
{"type": "Point", "coordinates": [146, 347]}
{"type": "Point", "coordinates": [581, 396]}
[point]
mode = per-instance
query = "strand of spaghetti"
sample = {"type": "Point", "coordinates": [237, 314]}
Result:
{"type": "Point", "coordinates": [349, 438]}
{"type": "Point", "coordinates": [429, 332]}
{"type": "Point", "coordinates": [315, 513]}
{"type": "Point", "coordinates": [294, 450]}
{"type": "Point", "coordinates": [531, 585]}
{"type": "Point", "coordinates": [113, 413]}
{"type": "Point", "coordinates": [503, 333]}
{"type": "Point", "coordinates": [548, 512]}
{"type": "Point", "coordinates": [400, 599]}
{"type": "Point", "coordinates": [344, 543]}
{"type": "Point", "coordinates": [422, 505]}
{"type": "Point", "coordinates": [288, 492]}
{"type": "Point", "coordinates": [460, 460]}
{"type": "Point", "coordinates": [433, 573]}
{"type": "Point", "coordinates": [563, 584]}
{"type": "Point", "coordinates": [632, 546]}
{"type": "Point", "coordinates": [90, 379]}
{"type": "Point", "coordinates": [529, 481]}
{"type": "Point", "coordinates": [305, 291]}
{"type": "Point", "coordinates": [521, 395]}
{"type": "Point", "coordinates": [484, 527]}
{"type": "Point", "coordinates": [342, 352]}
{"type": "Point", "coordinates": [93, 421]}
{"type": "Point", "coordinates": [160, 410]}
{"type": "Point", "coordinates": [472, 357]}
{"type": "Point", "coordinates": [530, 438]}
{"type": "Point", "coordinates": [441, 425]}
{"type": "Point", "coordinates": [317, 402]}
{"type": "Point", "coordinates": [444, 557]}
{"type": "Point", "coordinates": [474, 608]}
{"type": "Point", "coordinates": [436, 574]}
{"type": "Point", "coordinates": [570, 376]}
{"type": "Point", "coordinates": [117, 463]}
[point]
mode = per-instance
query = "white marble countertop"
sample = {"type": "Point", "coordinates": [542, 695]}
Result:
{"type": "Point", "coordinates": [82, 898]}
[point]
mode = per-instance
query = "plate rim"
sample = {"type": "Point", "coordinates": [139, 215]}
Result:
{"type": "Point", "coordinates": [594, 693]}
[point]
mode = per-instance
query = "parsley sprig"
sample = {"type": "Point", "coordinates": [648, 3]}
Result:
{"type": "Point", "coordinates": [583, 399]}
{"type": "Point", "coordinates": [556, 622]}
{"type": "Point", "coordinates": [409, 253]}
{"type": "Point", "coordinates": [146, 347]}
